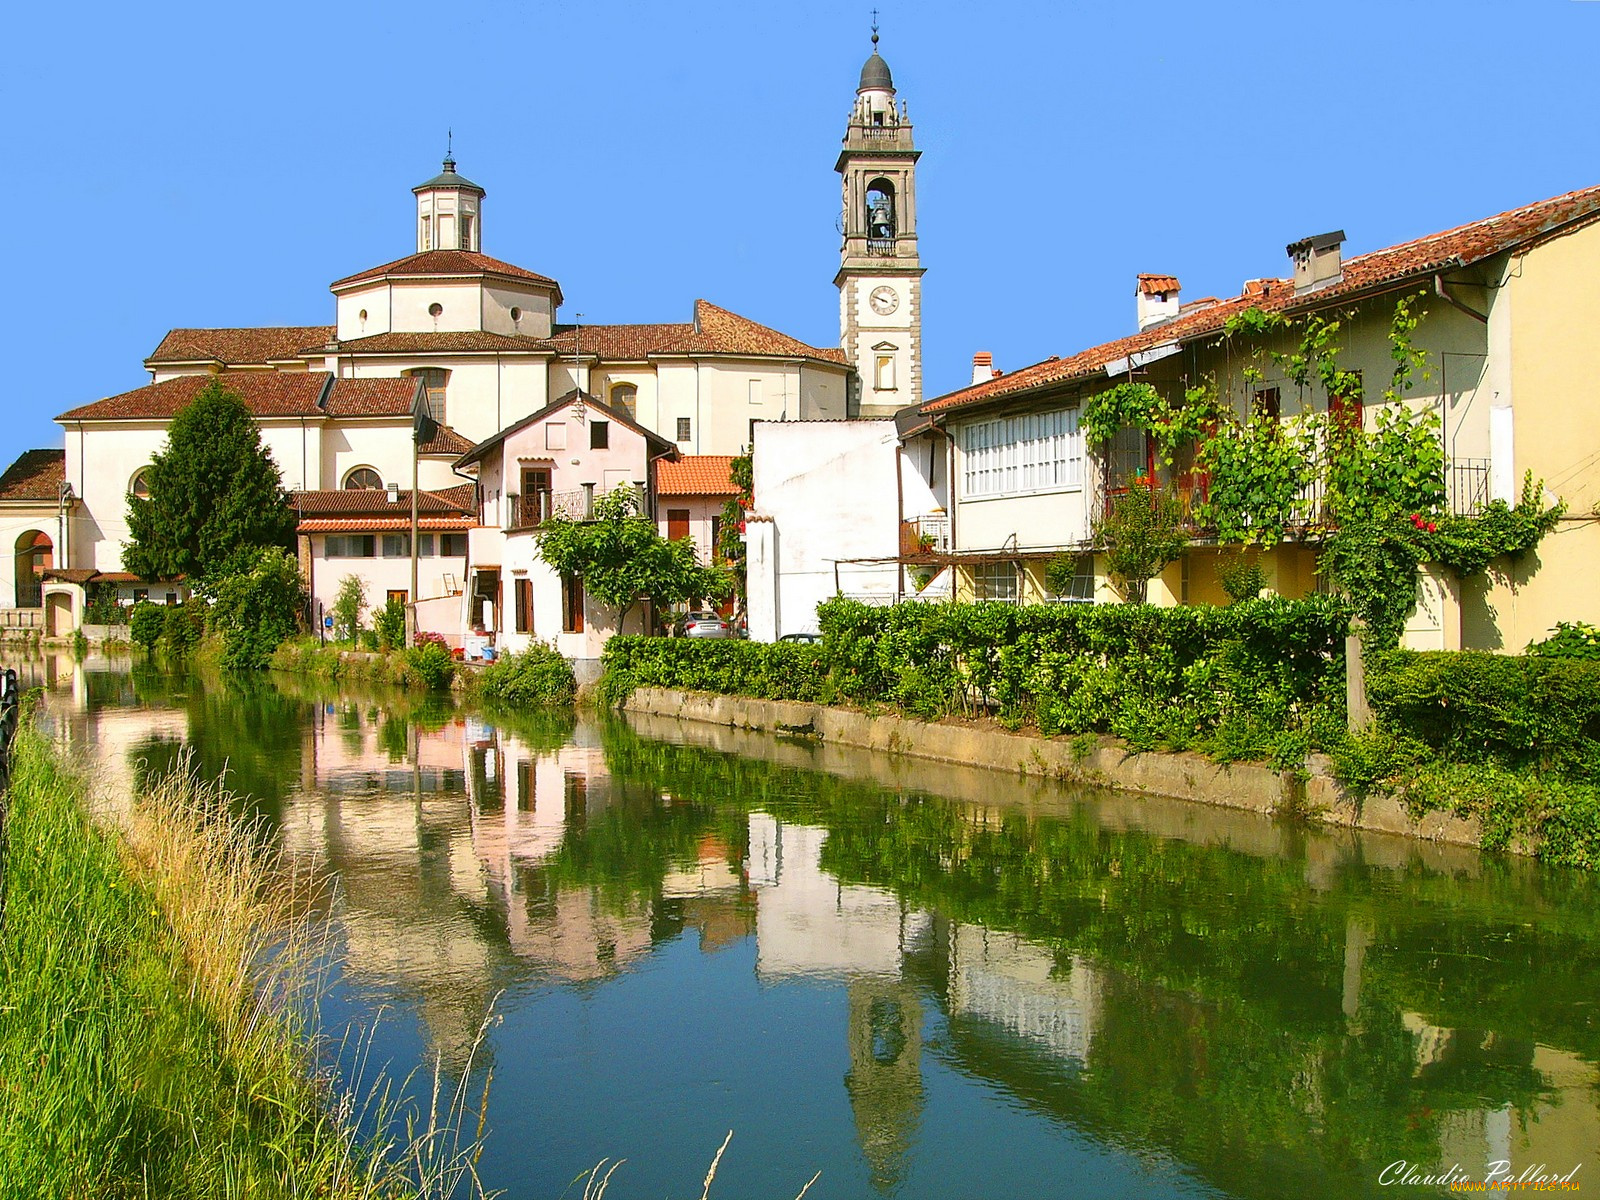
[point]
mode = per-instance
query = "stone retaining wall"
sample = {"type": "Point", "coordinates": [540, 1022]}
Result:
{"type": "Point", "coordinates": [1088, 759]}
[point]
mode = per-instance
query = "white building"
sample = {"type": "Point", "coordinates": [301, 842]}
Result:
{"type": "Point", "coordinates": [482, 342]}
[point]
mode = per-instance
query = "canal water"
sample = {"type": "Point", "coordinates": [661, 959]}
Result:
{"type": "Point", "coordinates": [923, 981]}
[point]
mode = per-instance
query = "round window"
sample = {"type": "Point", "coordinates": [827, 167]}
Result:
{"type": "Point", "coordinates": [516, 313]}
{"type": "Point", "coordinates": [435, 309]}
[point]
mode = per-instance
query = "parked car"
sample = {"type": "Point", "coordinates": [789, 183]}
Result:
{"type": "Point", "coordinates": [801, 637]}
{"type": "Point", "coordinates": [705, 625]}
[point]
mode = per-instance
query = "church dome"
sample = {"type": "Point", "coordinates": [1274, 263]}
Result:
{"type": "Point", "coordinates": [875, 75]}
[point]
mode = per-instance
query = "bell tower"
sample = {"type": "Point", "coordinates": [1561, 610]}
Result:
{"type": "Point", "coordinates": [880, 273]}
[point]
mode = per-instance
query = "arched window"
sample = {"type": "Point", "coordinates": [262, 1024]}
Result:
{"type": "Point", "coordinates": [363, 479]}
{"type": "Point", "coordinates": [880, 211]}
{"type": "Point", "coordinates": [624, 398]}
{"type": "Point", "coordinates": [139, 485]}
{"type": "Point", "coordinates": [435, 379]}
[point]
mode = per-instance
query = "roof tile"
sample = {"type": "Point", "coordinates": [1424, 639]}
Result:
{"type": "Point", "coordinates": [36, 475]}
{"type": "Point", "coordinates": [374, 502]}
{"type": "Point", "coordinates": [445, 262]}
{"type": "Point", "coordinates": [1452, 248]}
{"type": "Point", "coordinates": [239, 347]}
{"type": "Point", "coordinates": [696, 475]}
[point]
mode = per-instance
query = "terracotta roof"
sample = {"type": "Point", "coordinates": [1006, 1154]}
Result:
{"type": "Point", "coordinates": [372, 397]}
{"type": "Point", "coordinates": [1151, 285]}
{"type": "Point", "coordinates": [619, 343]}
{"type": "Point", "coordinates": [374, 502]}
{"type": "Point", "coordinates": [446, 262]}
{"type": "Point", "coordinates": [69, 574]}
{"type": "Point", "coordinates": [239, 347]}
{"type": "Point", "coordinates": [1376, 271]}
{"type": "Point", "coordinates": [713, 331]}
{"type": "Point", "coordinates": [430, 524]}
{"type": "Point", "coordinates": [446, 441]}
{"type": "Point", "coordinates": [696, 475]}
{"type": "Point", "coordinates": [466, 341]}
{"type": "Point", "coordinates": [36, 475]}
{"type": "Point", "coordinates": [264, 393]}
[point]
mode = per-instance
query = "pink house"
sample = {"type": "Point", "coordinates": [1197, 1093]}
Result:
{"type": "Point", "coordinates": [556, 460]}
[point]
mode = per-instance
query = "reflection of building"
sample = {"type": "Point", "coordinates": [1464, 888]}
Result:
{"type": "Point", "coordinates": [1018, 985]}
{"type": "Point", "coordinates": [807, 922]}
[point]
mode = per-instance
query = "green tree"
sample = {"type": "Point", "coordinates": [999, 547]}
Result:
{"type": "Point", "coordinates": [348, 606]}
{"type": "Point", "coordinates": [146, 624]}
{"type": "Point", "coordinates": [1140, 535]}
{"type": "Point", "coordinates": [622, 558]}
{"type": "Point", "coordinates": [389, 622]}
{"type": "Point", "coordinates": [259, 608]}
{"type": "Point", "coordinates": [215, 495]}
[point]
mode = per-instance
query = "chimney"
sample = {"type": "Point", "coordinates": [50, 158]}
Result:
{"type": "Point", "coordinates": [394, 493]}
{"type": "Point", "coordinates": [1317, 261]}
{"type": "Point", "coordinates": [1157, 299]}
{"type": "Point", "coordinates": [983, 367]}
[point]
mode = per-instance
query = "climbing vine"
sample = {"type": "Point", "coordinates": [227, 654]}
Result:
{"type": "Point", "coordinates": [1377, 495]}
{"type": "Point", "coordinates": [730, 537]}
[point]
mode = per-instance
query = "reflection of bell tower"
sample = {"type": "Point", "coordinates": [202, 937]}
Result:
{"type": "Point", "coordinates": [885, 1077]}
{"type": "Point", "coordinates": [880, 274]}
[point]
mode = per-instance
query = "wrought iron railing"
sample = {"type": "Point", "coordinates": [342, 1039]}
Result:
{"type": "Point", "coordinates": [884, 246]}
{"type": "Point", "coordinates": [1466, 483]}
{"type": "Point", "coordinates": [533, 509]}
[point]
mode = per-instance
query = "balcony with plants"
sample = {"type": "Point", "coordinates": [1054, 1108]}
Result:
{"type": "Point", "coordinates": [1379, 497]}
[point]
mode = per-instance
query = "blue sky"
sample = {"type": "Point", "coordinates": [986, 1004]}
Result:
{"type": "Point", "coordinates": [217, 164]}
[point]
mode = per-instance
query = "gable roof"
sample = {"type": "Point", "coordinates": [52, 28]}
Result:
{"type": "Point", "coordinates": [482, 449]}
{"type": "Point", "coordinates": [239, 347]}
{"type": "Point", "coordinates": [696, 475]}
{"type": "Point", "coordinates": [36, 475]}
{"type": "Point", "coordinates": [714, 330]}
{"type": "Point", "coordinates": [264, 394]}
{"type": "Point", "coordinates": [446, 262]}
{"type": "Point", "coordinates": [1377, 271]}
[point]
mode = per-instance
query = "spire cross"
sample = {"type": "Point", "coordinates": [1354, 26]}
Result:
{"type": "Point", "coordinates": [874, 31]}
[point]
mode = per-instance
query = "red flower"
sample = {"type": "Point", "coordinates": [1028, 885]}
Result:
{"type": "Point", "coordinates": [1432, 528]}
{"type": "Point", "coordinates": [741, 526]}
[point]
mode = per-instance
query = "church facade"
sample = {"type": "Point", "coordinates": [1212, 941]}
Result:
{"type": "Point", "coordinates": [478, 342]}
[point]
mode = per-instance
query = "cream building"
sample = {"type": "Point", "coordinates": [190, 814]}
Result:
{"type": "Point", "coordinates": [1506, 305]}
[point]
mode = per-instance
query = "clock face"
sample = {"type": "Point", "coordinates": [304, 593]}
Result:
{"type": "Point", "coordinates": [884, 301]}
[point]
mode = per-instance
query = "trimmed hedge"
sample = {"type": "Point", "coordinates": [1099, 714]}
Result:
{"type": "Point", "coordinates": [1149, 674]}
{"type": "Point", "coordinates": [1526, 713]}
{"type": "Point", "coordinates": [781, 671]}
{"type": "Point", "coordinates": [1242, 677]}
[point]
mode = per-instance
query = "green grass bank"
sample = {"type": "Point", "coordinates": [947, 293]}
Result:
{"type": "Point", "coordinates": [157, 968]}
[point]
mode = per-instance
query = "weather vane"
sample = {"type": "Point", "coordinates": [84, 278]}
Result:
{"type": "Point", "coordinates": [874, 30]}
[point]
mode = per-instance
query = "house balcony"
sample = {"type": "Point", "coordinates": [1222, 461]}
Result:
{"type": "Point", "coordinates": [1466, 486]}
{"type": "Point", "coordinates": [532, 510]}
{"type": "Point", "coordinates": [924, 537]}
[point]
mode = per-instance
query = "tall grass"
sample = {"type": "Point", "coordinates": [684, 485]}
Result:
{"type": "Point", "coordinates": [158, 975]}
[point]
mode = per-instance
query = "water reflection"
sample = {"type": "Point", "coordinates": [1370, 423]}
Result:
{"type": "Point", "coordinates": [1151, 997]}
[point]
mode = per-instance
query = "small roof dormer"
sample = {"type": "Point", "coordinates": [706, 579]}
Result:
{"type": "Point", "coordinates": [449, 211]}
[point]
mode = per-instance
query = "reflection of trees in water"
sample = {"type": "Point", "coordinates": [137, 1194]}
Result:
{"type": "Point", "coordinates": [1238, 1030]}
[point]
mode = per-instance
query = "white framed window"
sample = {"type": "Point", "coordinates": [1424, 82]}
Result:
{"type": "Point", "coordinates": [755, 391]}
{"type": "Point", "coordinates": [1010, 456]}
{"type": "Point", "coordinates": [361, 479]}
{"type": "Point", "coordinates": [995, 581]}
{"type": "Point", "coordinates": [425, 238]}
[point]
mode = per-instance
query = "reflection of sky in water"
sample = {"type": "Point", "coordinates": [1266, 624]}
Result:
{"type": "Point", "coordinates": [881, 971]}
